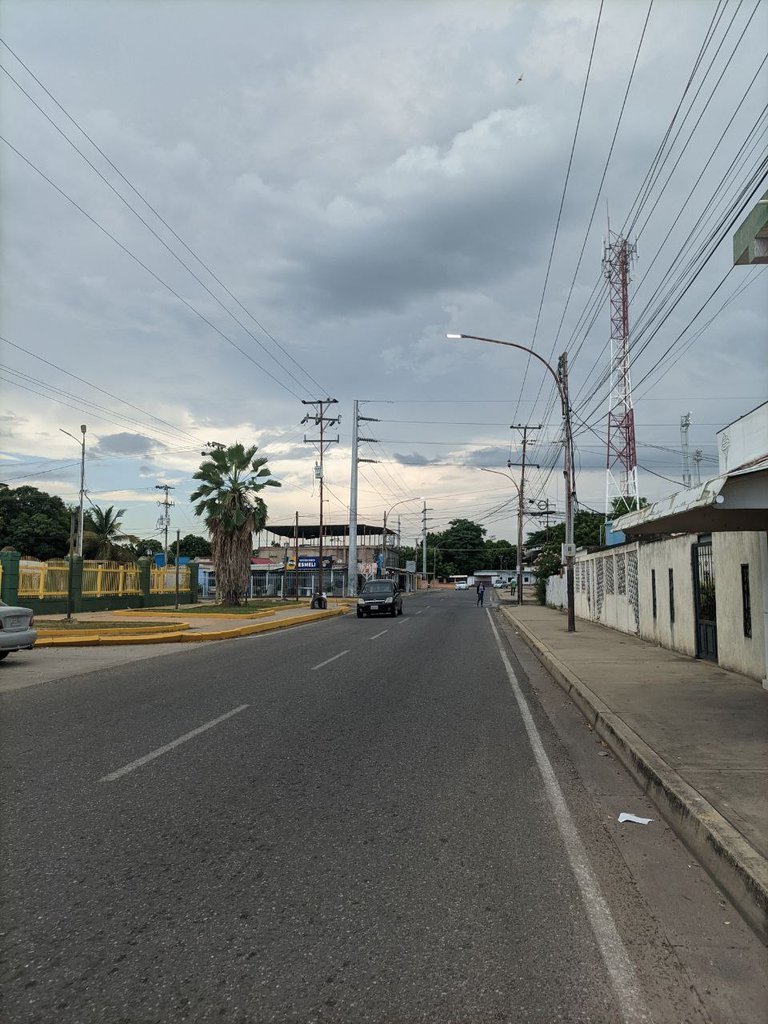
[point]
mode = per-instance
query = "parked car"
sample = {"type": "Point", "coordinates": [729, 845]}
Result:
{"type": "Point", "coordinates": [16, 629]}
{"type": "Point", "coordinates": [461, 585]}
{"type": "Point", "coordinates": [379, 597]}
{"type": "Point", "coordinates": [498, 584]}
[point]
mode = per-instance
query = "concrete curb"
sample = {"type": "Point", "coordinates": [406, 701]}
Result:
{"type": "Point", "coordinates": [735, 866]}
{"type": "Point", "coordinates": [109, 639]}
{"type": "Point", "coordinates": [60, 634]}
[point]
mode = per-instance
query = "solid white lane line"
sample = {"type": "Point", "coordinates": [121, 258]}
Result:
{"type": "Point", "coordinates": [617, 962]}
{"type": "Point", "coordinates": [328, 662]}
{"type": "Point", "coordinates": [378, 635]}
{"type": "Point", "coordinates": [169, 746]}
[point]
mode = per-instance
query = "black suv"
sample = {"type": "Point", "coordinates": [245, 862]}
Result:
{"type": "Point", "coordinates": [379, 597]}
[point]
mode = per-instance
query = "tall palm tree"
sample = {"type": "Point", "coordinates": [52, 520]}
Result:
{"type": "Point", "coordinates": [228, 499]}
{"type": "Point", "coordinates": [102, 533]}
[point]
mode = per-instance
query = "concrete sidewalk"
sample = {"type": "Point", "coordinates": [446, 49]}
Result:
{"type": "Point", "coordinates": [694, 737]}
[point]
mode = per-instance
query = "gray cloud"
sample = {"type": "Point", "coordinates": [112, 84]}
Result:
{"type": "Point", "coordinates": [363, 182]}
{"type": "Point", "coordinates": [125, 444]}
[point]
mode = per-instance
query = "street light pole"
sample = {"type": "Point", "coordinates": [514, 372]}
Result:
{"type": "Point", "coordinates": [82, 485]}
{"type": "Point", "coordinates": [519, 570]}
{"type": "Point", "coordinates": [561, 382]}
{"type": "Point", "coordinates": [384, 542]}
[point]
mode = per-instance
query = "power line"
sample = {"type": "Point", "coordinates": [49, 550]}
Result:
{"type": "Point", "coordinates": [562, 203]}
{"type": "Point", "coordinates": [144, 266]}
{"type": "Point", "coordinates": [162, 220]}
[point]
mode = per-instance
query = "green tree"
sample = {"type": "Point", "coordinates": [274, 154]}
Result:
{"type": "Point", "coordinates": [228, 500]}
{"type": "Point", "coordinates": [620, 506]}
{"type": "Point", "coordinates": [547, 564]}
{"type": "Point", "coordinates": [144, 546]}
{"type": "Point", "coordinates": [33, 523]}
{"type": "Point", "coordinates": [588, 531]}
{"type": "Point", "coordinates": [459, 548]}
{"type": "Point", "coordinates": [498, 554]}
{"type": "Point", "coordinates": [103, 537]}
{"type": "Point", "coordinates": [194, 547]}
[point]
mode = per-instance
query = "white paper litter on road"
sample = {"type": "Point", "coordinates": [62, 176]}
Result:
{"type": "Point", "coordinates": [624, 816]}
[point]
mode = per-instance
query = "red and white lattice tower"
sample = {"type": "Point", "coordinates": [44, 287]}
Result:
{"type": "Point", "coordinates": [621, 466]}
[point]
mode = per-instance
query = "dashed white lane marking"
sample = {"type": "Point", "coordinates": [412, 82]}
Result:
{"type": "Point", "coordinates": [169, 746]}
{"type": "Point", "coordinates": [419, 611]}
{"type": "Point", "coordinates": [376, 637]}
{"type": "Point", "coordinates": [617, 962]}
{"type": "Point", "coordinates": [328, 662]}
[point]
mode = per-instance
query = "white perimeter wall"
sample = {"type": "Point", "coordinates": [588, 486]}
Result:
{"type": "Point", "coordinates": [615, 587]}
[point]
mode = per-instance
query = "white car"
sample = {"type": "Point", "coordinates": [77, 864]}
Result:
{"type": "Point", "coordinates": [461, 585]}
{"type": "Point", "coordinates": [16, 629]}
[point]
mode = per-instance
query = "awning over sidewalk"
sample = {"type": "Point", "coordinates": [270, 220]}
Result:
{"type": "Point", "coordinates": [735, 501]}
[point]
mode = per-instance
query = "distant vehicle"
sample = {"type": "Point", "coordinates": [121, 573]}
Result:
{"type": "Point", "coordinates": [379, 597]}
{"type": "Point", "coordinates": [16, 629]}
{"type": "Point", "coordinates": [461, 585]}
{"type": "Point", "coordinates": [498, 584]}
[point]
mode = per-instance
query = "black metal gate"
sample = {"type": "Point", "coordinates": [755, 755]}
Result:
{"type": "Point", "coordinates": [705, 604]}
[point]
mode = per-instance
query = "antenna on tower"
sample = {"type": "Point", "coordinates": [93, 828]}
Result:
{"type": "Point", "coordinates": [621, 463]}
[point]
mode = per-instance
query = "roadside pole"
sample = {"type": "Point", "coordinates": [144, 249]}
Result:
{"type": "Point", "coordinates": [296, 557]}
{"type": "Point", "coordinates": [178, 535]}
{"type": "Point", "coordinates": [69, 570]}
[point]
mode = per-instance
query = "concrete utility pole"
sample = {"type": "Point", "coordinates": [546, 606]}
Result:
{"type": "Point", "coordinates": [424, 542]}
{"type": "Point", "coordinates": [685, 423]}
{"type": "Point", "coordinates": [520, 505]}
{"type": "Point", "coordinates": [81, 513]}
{"type": "Point", "coordinates": [356, 458]}
{"type": "Point", "coordinates": [164, 521]}
{"type": "Point", "coordinates": [320, 420]}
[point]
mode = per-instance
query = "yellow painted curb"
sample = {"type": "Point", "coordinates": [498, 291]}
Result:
{"type": "Point", "coordinates": [88, 639]}
{"type": "Point", "coordinates": [258, 627]}
{"type": "Point", "coordinates": [56, 634]}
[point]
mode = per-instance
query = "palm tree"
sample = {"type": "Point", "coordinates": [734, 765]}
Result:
{"type": "Point", "coordinates": [103, 532]}
{"type": "Point", "coordinates": [228, 498]}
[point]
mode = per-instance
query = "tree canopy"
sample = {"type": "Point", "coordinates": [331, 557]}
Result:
{"type": "Point", "coordinates": [34, 523]}
{"type": "Point", "coordinates": [228, 500]}
{"type": "Point", "coordinates": [103, 536]}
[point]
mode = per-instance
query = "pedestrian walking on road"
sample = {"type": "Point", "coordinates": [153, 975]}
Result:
{"type": "Point", "coordinates": [480, 594]}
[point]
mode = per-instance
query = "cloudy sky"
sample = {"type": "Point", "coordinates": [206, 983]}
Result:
{"type": "Point", "coordinates": [212, 211]}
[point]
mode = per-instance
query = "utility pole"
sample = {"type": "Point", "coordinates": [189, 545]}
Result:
{"type": "Point", "coordinates": [698, 455]}
{"type": "Point", "coordinates": [685, 423]}
{"type": "Point", "coordinates": [296, 556]}
{"type": "Point", "coordinates": [520, 505]}
{"type": "Point", "coordinates": [82, 485]}
{"type": "Point", "coordinates": [320, 420]}
{"type": "Point", "coordinates": [569, 548]}
{"type": "Point", "coordinates": [424, 541]}
{"type": "Point", "coordinates": [178, 535]}
{"type": "Point", "coordinates": [164, 522]}
{"type": "Point", "coordinates": [352, 547]}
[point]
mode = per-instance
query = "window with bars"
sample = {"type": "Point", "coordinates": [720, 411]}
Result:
{"type": "Point", "coordinates": [653, 592]}
{"type": "Point", "coordinates": [621, 574]}
{"type": "Point", "coordinates": [609, 584]}
{"type": "Point", "coordinates": [746, 603]}
{"type": "Point", "coordinates": [671, 595]}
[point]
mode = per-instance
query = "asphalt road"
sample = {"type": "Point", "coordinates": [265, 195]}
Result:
{"type": "Point", "coordinates": [352, 821]}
